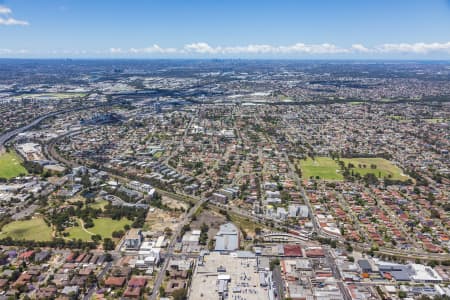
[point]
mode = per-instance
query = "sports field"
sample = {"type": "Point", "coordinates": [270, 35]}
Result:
{"type": "Point", "coordinates": [384, 168]}
{"type": "Point", "coordinates": [35, 229]}
{"type": "Point", "coordinates": [102, 226]}
{"type": "Point", "coordinates": [10, 166]}
{"type": "Point", "coordinates": [323, 167]}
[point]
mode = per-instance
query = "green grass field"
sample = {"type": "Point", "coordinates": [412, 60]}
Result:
{"type": "Point", "coordinates": [324, 167]}
{"type": "Point", "coordinates": [158, 154]}
{"type": "Point", "coordinates": [105, 226]}
{"type": "Point", "coordinates": [435, 120]}
{"type": "Point", "coordinates": [384, 168]}
{"type": "Point", "coordinates": [55, 96]}
{"type": "Point", "coordinates": [102, 226]}
{"type": "Point", "coordinates": [77, 232]}
{"type": "Point", "coordinates": [10, 165]}
{"type": "Point", "coordinates": [35, 229]}
{"type": "Point", "coordinates": [99, 204]}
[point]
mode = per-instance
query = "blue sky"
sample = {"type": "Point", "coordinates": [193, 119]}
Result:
{"type": "Point", "coordinates": [226, 28]}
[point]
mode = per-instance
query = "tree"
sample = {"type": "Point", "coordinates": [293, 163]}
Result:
{"type": "Point", "coordinates": [118, 234]}
{"type": "Point", "coordinates": [85, 181]}
{"type": "Point", "coordinates": [179, 294]}
{"type": "Point", "coordinates": [162, 291]}
{"type": "Point", "coordinates": [273, 263]}
{"type": "Point", "coordinates": [108, 244]}
{"type": "Point", "coordinates": [333, 244]}
{"type": "Point", "coordinates": [168, 231]}
{"type": "Point", "coordinates": [96, 237]}
{"type": "Point", "coordinates": [402, 294]}
{"type": "Point", "coordinates": [435, 214]}
{"type": "Point", "coordinates": [108, 257]}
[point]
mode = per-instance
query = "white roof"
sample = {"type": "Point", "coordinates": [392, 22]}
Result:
{"type": "Point", "coordinates": [424, 273]}
{"type": "Point", "coordinates": [150, 258]}
{"type": "Point", "coordinates": [224, 277]}
{"type": "Point", "coordinates": [390, 288]}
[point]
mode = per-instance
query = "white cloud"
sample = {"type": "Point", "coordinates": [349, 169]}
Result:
{"type": "Point", "coordinates": [202, 48]}
{"type": "Point", "coordinates": [416, 48]}
{"type": "Point", "coordinates": [154, 49]}
{"type": "Point", "coordinates": [360, 48]}
{"type": "Point", "coordinates": [12, 22]}
{"type": "Point", "coordinates": [5, 10]}
{"type": "Point", "coordinates": [299, 48]}
{"type": "Point", "coordinates": [7, 20]}
{"type": "Point", "coordinates": [5, 51]}
{"type": "Point", "coordinates": [115, 50]}
{"type": "Point", "coordinates": [13, 52]}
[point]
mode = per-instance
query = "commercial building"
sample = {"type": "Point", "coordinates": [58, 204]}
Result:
{"type": "Point", "coordinates": [227, 239]}
{"type": "Point", "coordinates": [133, 239]}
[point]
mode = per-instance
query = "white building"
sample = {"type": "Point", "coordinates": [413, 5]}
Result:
{"type": "Point", "coordinates": [227, 239]}
{"type": "Point", "coordinates": [423, 274]}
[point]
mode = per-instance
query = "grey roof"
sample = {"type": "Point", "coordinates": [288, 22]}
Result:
{"type": "Point", "coordinates": [304, 211]}
{"type": "Point", "coordinates": [245, 254]}
{"type": "Point", "coordinates": [227, 239]}
{"type": "Point", "coordinates": [402, 275]}
{"type": "Point", "coordinates": [228, 228]}
{"type": "Point", "coordinates": [364, 264]}
{"type": "Point", "coordinates": [70, 289]}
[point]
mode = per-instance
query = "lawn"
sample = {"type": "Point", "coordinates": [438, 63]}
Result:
{"type": "Point", "coordinates": [324, 167]}
{"type": "Point", "coordinates": [435, 120]}
{"type": "Point", "coordinates": [105, 226]}
{"type": "Point", "coordinates": [384, 168]}
{"type": "Point", "coordinates": [102, 226]}
{"type": "Point", "coordinates": [55, 96]}
{"type": "Point", "coordinates": [35, 229]}
{"type": "Point", "coordinates": [10, 165]}
{"type": "Point", "coordinates": [99, 204]}
{"type": "Point", "coordinates": [158, 154]}
{"type": "Point", "coordinates": [77, 232]}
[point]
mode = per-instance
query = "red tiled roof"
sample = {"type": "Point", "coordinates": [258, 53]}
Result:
{"type": "Point", "coordinates": [26, 255]}
{"type": "Point", "coordinates": [292, 250]}
{"type": "Point", "coordinates": [133, 292]}
{"type": "Point", "coordinates": [115, 281]}
{"type": "Point", "coordinates": [137, 282]}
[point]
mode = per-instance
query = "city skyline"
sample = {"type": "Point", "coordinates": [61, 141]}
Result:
{"type": "Point", "coordinates": [202, 29]}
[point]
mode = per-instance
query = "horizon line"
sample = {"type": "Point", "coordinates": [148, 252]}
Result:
{"type": "Point", "coordinates": [230, 58]}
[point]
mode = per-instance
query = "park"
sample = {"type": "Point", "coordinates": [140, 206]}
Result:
{"type": "Point", "coordinates": [10, 165]}
{"type": "Point", "coordinates": [326, 168]}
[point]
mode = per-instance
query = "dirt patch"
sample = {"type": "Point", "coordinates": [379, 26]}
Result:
{"type": "Point", "coordinates": [173, 203]}
{"type": "Point", "coordinates": [157, 220]}
{"type": "Point", "coordinates": [76, 198]}
{"type": "Point", "coordinates": [212, 218]}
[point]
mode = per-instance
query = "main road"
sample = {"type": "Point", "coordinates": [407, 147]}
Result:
{"type": "Point", "coordinates": [10, 134]}
{"type": "Point", "coordinates": [187, 219]}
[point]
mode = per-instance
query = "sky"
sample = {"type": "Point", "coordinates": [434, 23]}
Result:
{"type": "Point", "coordinates": [285, 29]}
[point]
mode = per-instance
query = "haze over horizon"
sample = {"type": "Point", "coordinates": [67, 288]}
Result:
{"type": "Point", "coordinates": [225, 29]}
